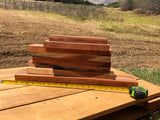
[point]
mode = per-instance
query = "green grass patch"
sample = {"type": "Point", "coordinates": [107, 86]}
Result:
{"type": "Point", "coordinates": [130, 23]}
{"type": "Point", "coordinates": [150, 75]}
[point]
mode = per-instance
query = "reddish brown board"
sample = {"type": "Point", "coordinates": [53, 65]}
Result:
{"type": "Point", "coordinates": [22, 75]}
{"type": "Point", "coordinates": [73, 67]}
{"type": "Point", "coordinates": [40, 48]}
{"type": "Point", "coordinates": [73, 73]}
{"type": "Point", "coordinates": [74, 56]}
{"type": "Point", "coordinates": [76, 46]}
{"type": "Point", "coordinates": [79, 39]}
{"type": "Point", "coordinates": [70, 61]}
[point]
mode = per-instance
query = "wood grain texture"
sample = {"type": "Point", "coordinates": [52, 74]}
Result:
{"type": "Point", "coordinates": [9, 75]}
{"type": "Point", "coordinates": [70, 61]}
{"type": "Point", "coordinates": [78, 39]}
{"type": "Point", "coordinates": [22, 75]}
{"type": "Point", "coordinates": [5, 73]}
{"type": "Point", "coordinates": [130, 113]}
{"type": "Point", "coordinates": [73, 73]}
{"type": "Point", "coordinates": [154, 104]}
{"type": "Point", "coordinates": [9, 87]}
{"type": "Point", "coordinates": [76, 46]}
{"type": "Point", "coordinates": [40, 48]}
{"type": "Point", "coordinates": [87, 105]}
{"type": "Point", "coordinates": [62, 66]}
{"type": "Point", "coordinates": [40, 71]}
{"type": "Point", "coordinates": [73, 56]}
{"type": "Point", "coordinates": [30, 94]}
{"type": "Point", "coordinates": [68, 73]}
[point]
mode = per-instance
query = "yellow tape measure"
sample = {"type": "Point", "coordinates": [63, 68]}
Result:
{"type": "Point", "coordinates": [66, 85]}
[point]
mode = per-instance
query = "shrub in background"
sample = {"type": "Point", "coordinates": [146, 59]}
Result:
{"type": "Point", "coordinates": [70, 1]}
{"type": "Point", "coordinates": [114, 5]}
{"type": "Point", "coordinates": [127, 5]}
{"type": "Point", "coordinates": [152, 7]}
{"type": "Point", "coordinates": [141, 6]}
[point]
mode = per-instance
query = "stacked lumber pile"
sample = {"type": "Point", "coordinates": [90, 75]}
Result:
{"type": "Point", "coordinates": [72, 59]}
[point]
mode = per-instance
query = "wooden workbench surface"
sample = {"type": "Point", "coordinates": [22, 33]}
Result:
{"type": "Point", "coordinates": [47, 103]}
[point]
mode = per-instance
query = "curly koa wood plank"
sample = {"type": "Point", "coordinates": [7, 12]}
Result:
{"type": "Point", "coordinates": [76, 46]}
{"type": "Point", "coordinates": [80, 39]}
{"type": "Point", "coordinates": [73, 73]}
{"type": "Point", "coordinates": [22, 75]}
{"type": "Point", "coordinates": [37, 48]}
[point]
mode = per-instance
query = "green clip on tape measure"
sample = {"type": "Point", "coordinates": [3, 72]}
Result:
{"type": "Point", "coordinates": [138, 92]}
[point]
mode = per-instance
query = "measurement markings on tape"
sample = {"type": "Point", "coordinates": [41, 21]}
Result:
{"type": "Point", "coordinates": [66, 85]}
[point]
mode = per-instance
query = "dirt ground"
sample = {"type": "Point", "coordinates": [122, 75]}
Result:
{"type": "Point", "coordinates": [17, 31]}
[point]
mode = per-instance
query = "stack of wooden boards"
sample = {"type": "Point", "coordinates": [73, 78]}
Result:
{"type": "Point", "coordinates": [72, 59]}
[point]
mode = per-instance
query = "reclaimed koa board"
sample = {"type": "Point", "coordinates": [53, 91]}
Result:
{"type": "Point", "coordinates": [70, 61]}
{"type": "Point", "coordinates": [76, 46]}
{"type": "Point", "coordinates": [73, 59]}
{"type": "Point", "coordinates": [79, 39]}
{"type": "Point", "coordinates": [72, 56]}
{"type": "Point", "coordinates": [73, 67]}
{"type": "Point", "coordinates": [39, 48]}
{"type": "Point", "coordinates": [73, 73]}
{"type": "Point", "coordinates": [22, 75]}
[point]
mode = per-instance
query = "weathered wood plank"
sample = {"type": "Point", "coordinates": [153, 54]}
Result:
{"type": "Point", "coordinates": [130, 113]}
{"type": "Point", "coordinates": [87, 105]}
{"type": "Point", "coordinates": [78, 39]}
{"type": "Point", "coordinates": [22, 75]}
{"type": "Point", "coordinates": [8, 87]}
{"type": "Point", "coordinates": [30, 94]}
{"type": "Point", "coordinates": [5, 73]}
{"type": "Point", "coordinates": [9, 75]}
{"type": "Point", "coordinates": [76, 46]}
{"type": "Point", "coordinates": [40, 48]}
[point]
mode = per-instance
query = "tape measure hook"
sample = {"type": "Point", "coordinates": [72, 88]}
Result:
{"type": "Point", "coordinates": [1, 81]}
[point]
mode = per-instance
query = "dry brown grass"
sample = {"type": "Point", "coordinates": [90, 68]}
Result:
{"type": "Point", "coordinates": [18, 29]}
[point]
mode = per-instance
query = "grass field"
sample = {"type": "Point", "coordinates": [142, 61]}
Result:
{"type": "Point", "coordinates": [21, 28]}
